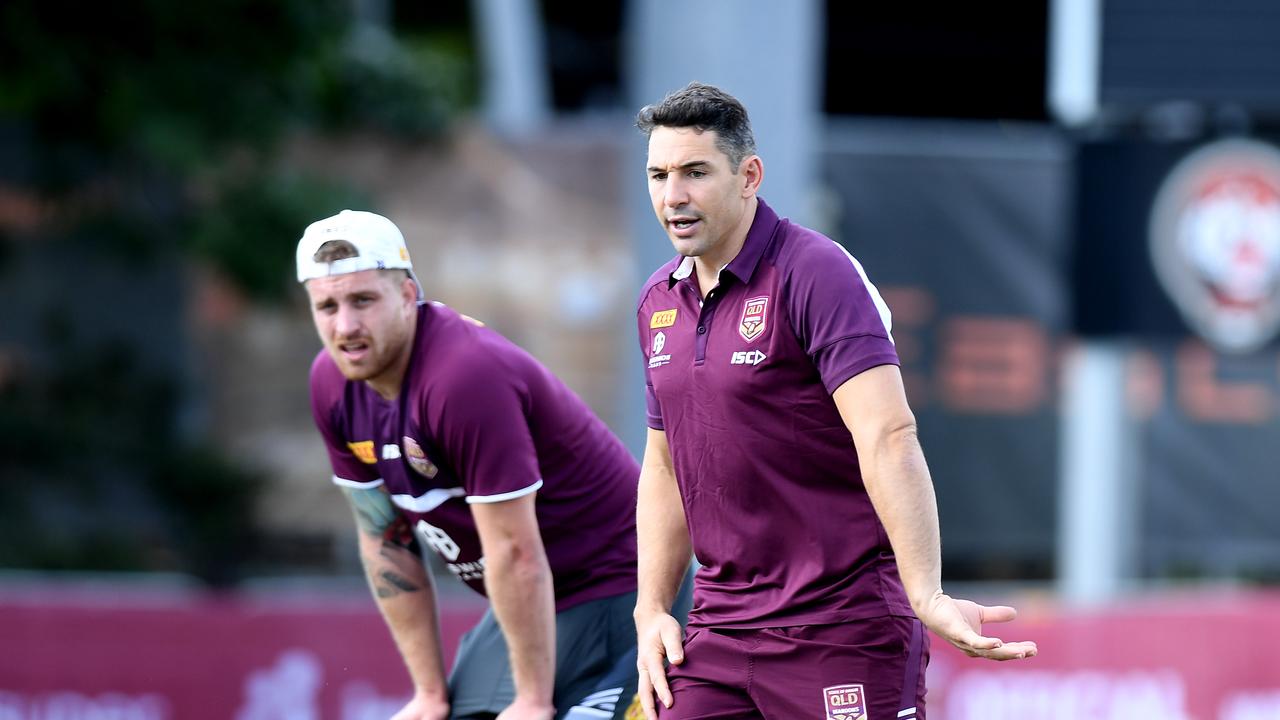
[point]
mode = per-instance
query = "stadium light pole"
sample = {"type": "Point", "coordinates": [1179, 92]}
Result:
{"type": "Point", "coordinates": [1096, 508]}
{"type": "Point", "coordinates": [516, 92]}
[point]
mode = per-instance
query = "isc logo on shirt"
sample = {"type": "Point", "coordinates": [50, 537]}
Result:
{"type": "Point", "coordinates": [747, 357]}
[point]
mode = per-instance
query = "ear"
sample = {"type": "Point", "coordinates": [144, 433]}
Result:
{"type": "Point", "coordinates": [409, 291]}
{"type": "Point", "coordinates": [752, 173]}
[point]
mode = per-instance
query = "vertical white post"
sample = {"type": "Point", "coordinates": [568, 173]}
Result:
{"type": "Point", "coordinates": [1075, 37]}
{"type": "Point", "coordinates": [1096, 486]}
{"type": "Point", "coordinates": [515, 82]}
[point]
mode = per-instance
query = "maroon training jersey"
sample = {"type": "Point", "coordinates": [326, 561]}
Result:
{"type": "Point", "coordinates": [768, 475]}
{"type": "Point", "coordinates": [478, 420]}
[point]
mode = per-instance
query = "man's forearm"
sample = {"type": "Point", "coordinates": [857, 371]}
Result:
{"type": "Point", "coordinates": [406, 598]}
{"type": "Point", "coordinates": [662, 538]}
{"type": "Point", "coordinates": [897, 479]}
{"type": "Point", "coordinates": [518, 582]}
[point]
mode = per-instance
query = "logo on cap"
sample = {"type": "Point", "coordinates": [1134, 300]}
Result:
{"type": "Point", "coordinates": [753, 318]}
{"type": "Point", "coordinates": [1215, 242]}
{"type": "Point", "coordinates": [846, 702]}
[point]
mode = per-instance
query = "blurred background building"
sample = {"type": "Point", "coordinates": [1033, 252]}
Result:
{"type": "Point", "coordinates": [1072, 208]}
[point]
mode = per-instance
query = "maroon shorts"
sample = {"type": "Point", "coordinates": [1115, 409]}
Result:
{"type": "Point", "coordinates": [862, 670]}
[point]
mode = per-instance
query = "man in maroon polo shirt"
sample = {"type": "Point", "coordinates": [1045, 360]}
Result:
{"type": "Point", "coordinates": [443, 435]}
{"type": "Point", "coordinates": [782, 453]}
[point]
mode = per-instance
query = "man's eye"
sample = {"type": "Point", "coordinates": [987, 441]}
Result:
{"type": "Point", "coordinates": [697, 173]}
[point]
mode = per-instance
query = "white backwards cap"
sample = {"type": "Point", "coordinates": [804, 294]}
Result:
{"type": "Point", "coordinates": [378, 242]}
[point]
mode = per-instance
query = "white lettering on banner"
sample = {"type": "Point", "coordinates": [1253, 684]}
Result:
{"type": "Point", "coordinates": [288, 689]}
{"type": "Point", "coordinates": [361, 701]}
{"type": "Point", "coordinates": [1097, 695]}
{"type": "Point", "coordinates": [1263, 705]}
{"type": "Point", "coordinates": [68, 705]}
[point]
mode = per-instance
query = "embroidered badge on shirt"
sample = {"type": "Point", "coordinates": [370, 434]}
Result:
{"type": "Point", "coordinates": [418, 459]}
{"type": "Point", "coordinates": [363, 451]}
{"type": "Point", "coordinates": [664, 318]}
{"type": "Point", "coordinates": [845, 702]}
{"type": "Point", "coordinates": [753, 318]}
{"type": "Point", "coordinates": [659, 342]}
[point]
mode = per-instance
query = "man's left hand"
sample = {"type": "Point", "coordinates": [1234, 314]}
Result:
{"type": "Point", "coordinates": [959, 622]}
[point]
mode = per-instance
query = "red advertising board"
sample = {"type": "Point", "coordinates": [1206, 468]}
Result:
{"type": "Point", "coordinates": [133, 656]}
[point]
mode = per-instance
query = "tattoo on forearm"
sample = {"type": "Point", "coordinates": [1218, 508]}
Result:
{"type": "Point", "coordinates": [394, 584]}
{"type": "Point", "coordinates": [373, 509]}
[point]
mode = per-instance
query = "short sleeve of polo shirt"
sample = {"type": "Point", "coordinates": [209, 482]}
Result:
{"type": "Point", "coordinates": [326, 391]}
{"type": "Point", "coordinates": [485, 433]}
{"type": "Point", "coordinates": [653, 411]}
{"type": "Point", "coordinates": [838, 315]}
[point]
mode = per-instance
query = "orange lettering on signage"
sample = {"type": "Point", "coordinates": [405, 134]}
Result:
{"type": "Point", "coordinates": [1206, 398]}
{"type": "Point", "coordinates": [994, 365]}
{"type": "Point", "coordinates": [1144, 384]}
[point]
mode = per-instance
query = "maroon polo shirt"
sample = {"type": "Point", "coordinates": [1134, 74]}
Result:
{"type": "Point", "coordinates": [480, 421]}
{"type": "Point", "coordinates": [741, 383]}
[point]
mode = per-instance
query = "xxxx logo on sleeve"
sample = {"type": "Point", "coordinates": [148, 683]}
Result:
{"type": "Point", "coordinates": [363, 451]}
{"type": "Point", "coordinates": [662, 319]}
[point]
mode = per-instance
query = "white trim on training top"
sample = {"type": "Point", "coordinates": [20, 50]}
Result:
{"type": "Point", "coordinates": [504, 496]}
{"type": "Point", "coordinates": [356, 483]}
{"type": "Point", "coordinates": [885, 317]}
{"type": "Point", "coordinates": [908, 712]}
{"type": "Point", "coordinates": [429, 500]}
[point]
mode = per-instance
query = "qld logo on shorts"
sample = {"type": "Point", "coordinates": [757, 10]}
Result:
{"type": "Point", "coordinates": [418, 459]}
{"type": "Point", "coordinates": [1215, 242]}
{"type": "Point", "coordinates": [753, 318]}
{"type": "Point", "coordinates": [846, 702]}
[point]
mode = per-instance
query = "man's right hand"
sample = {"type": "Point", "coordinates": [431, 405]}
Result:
{"type": "Point", "coordinates": [424, 706]}
{"type": "Point", "coordinates": [660, 639]}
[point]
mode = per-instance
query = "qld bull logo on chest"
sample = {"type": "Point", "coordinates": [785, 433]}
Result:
{"type": "Point", "coordinates": [753, 318]}
{"type": "Point", "coordinates": [418, 459]}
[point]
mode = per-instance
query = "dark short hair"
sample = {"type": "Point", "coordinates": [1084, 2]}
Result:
{"type": "Point", "coordinates": [335, 250]}
{"type": "Point", "coordinates": [704, 107]}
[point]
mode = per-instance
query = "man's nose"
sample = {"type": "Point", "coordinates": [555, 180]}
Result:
{"type": "Point", "coordinates": [346, 322]}
{"type": "Point", "coordinates": [675, 194]}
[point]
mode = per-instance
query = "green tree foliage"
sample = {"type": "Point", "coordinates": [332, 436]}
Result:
{"type": "Point", "coordinates": [139, 136]}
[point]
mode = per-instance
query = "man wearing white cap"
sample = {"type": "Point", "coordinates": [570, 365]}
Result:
{"type": "Point", "coordinates": [443, 434]}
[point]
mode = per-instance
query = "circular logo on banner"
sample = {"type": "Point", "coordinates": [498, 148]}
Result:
{"type": "Point", "coordinates": [1215, 242]}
